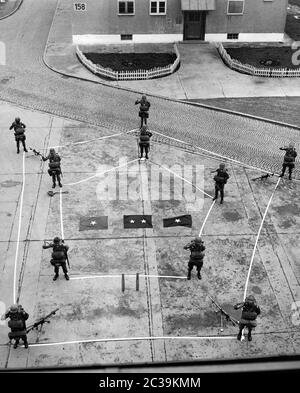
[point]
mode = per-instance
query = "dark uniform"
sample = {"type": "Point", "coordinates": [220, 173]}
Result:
{"type": "Point", "coordinates": [17, 324]}
{"type": "Point", "coordinates": [144, 142]}
{"type": "Point", "coordinates": [20, 136]}
{"type": "Point", "coordinates": [289, 160]}
{"type": "Point", "coordinates": [196, 258]}
{"type": "Point", "coordinates": [54, 167]}
{"type": "Point", "coordinates": [220, 180]}
{"type": "Point", "coordinates": [144, 109]}
{"type": "Point", "coordinates": [250, 311]}
{"type": "Point", "coordinates": [59, 257]}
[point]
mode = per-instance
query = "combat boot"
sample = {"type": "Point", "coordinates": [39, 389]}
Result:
{"type": "Point", "coordinates": [55, 277]}
{"type": "Point", "coordinates": [189, 275]}
{"type": "Point", "coordinates": [249, 336]}
{"type": "Point", "coordinates": [26, 344]}
{"type": "Point", "coordinates": [53, 185]}
{"type": "Point", "coordinates": [67, 277]}
{"type": "Point", "coordinates": [26, 151]}
{"type": "Point", "coordinates": [16, 344]}
{"type": "Point", "coordinates": [59, 183]}
{"type": "Point", "coordinates": [199, 275]}
{"type": "Point", "coordinates": [18, 151]}
{"type": "Point", "coordinates": [221, 202]}
{"type": "Point", "coordinates": [239, 336]}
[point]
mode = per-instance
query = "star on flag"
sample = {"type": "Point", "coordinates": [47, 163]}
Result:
{"type": "Point", "coordinates": [138, 221]}
{"type": "Point", "coordinates": [185, 221]}
{"type": "Point", "coordinates": [93, 223]}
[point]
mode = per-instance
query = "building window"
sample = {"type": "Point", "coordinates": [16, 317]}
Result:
{"type": "Point", "coordinates": [126, 7]}
{"type": "Point", "coordinates": [126, 37]}
{"type": "Point", "coordinates": [235, 7]}
{"type": "Point", "coordinates": [233, 36]}
{"type": "Point", "coordinates": [158, 7]}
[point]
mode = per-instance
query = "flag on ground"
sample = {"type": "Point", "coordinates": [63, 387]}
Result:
{"type": "Point", "coordinates": [138, 222]}
{"type": "Point", "coordinates": [87, 223]}
{"type": "Point", "coordinates": [184, 221]}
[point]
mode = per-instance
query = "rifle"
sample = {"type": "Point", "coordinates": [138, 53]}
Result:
{"type": "Point", "coordinates": [41, 321]}
{"type": "Point", "coordinates": [263, 177]}
{"type": "Point", "coordinates": [51, 193]}
{"type": "Point", "coordinates": [36, 153]}
{"type": "Point", "coordinates": [228, 317]}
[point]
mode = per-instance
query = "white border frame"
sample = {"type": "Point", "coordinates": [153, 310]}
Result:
{"type": "Point", "coordinates": [158, 13]}
{"type": "Point", "coordinates": [242, 13]}
{"type": "Point", "coordinates": [126, 1]}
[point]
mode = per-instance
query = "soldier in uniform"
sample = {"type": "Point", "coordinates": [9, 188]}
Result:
{"type": "Point", "coordinates": [220, 180]}
{"type": "Point", "coordinates": [250, 311]}
{"type": "Point", "coordinates": [59, 256]}
{"type": "Point", "coordinates": [144, 109]}
{"type": "Point", "coordinates": [196, 258]}
{"type": "Point", "coordinates": [144, 142]}
{"type": "Point", "coordinates": [20, 136]}
{"type": "Point", "coordinates": [289, 159]}
{"type": "Point", "coordinates": [54, 167]}
{"type": "Point", "coordinates": [17, 324]}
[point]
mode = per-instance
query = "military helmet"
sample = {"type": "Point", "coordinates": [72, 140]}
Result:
{"type": "Point", "coordinates": [17, 120]}
{"type": "Point", "coordinates": [222, 166]}
{"type": "Point", "coordinates": [198, 239]}
{"type": "Point", "coordinates": [14, 308]}
{"type": "Point", "coordinates": [52, 150]}
{"type": "Point", "coordinates": [250, 299]}
{"type": "Point", "coordinates": [144, 97]}
{"type": "Point", "coordinates": [56, 239]}
{"type": "Point", "coordinates": [291, 145]}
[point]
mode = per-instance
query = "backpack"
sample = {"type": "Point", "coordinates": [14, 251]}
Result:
{"type": "Point", "coordinates": [59, 253]}
{"type": "Point", "coordinates": [144, 139]}
{"type": "Point", "coordinates": [16, 324]}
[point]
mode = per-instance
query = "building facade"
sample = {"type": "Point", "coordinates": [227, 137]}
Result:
{"type": "Point", "coordinates": [140, 21]}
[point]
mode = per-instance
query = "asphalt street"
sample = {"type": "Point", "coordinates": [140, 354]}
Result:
{"type": "Point", "coordinates": [25, 80]}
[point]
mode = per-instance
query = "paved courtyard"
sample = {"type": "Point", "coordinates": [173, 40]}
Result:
{"type": "Point", "coordinates": [168, 318]}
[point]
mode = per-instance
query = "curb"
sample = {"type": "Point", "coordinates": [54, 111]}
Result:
{"type": "Point", "coordinates": [186, 102]}
{"type": "Point", "coordinates": [13, 11]}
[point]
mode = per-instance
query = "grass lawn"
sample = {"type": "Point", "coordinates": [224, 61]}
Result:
{"type": "Point", "coordinates": [131, 61]}
{"type": "Point", "coordinates": [275, 57]}
{"type": "Point", "coordinates": [285, 109]}
{"type": "Point", "coordinates": [7, 7]}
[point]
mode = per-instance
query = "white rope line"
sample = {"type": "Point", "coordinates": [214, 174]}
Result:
{"type": "Point", "coordinates": [204, 222]}
{"type": "Point", "coordinates": [100, 174]}
{"type": "Point", "coordinates": [118, 275]}
{"type": "Point", "coordinates": [87, 141]}
{"type": "Point", "coordinates": [136, 339]}
{"type": "Point", "coordinates": [19, 229]}
{"type": "Point", "coordinates": [182, 178]}
{"type": "Point", "coordinates": [216, 154]}
{"type": "Point", "coordinates": [257, 237]}
{"type": "Point", "coordinates": [61, 216]}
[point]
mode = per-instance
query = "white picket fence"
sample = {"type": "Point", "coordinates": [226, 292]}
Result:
{"type": "Point", "coordinates": [251, 70]}
{"type": "Point", "coordinates": [129, 75]}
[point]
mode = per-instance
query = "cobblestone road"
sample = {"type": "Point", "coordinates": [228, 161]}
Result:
{"type": "Point", "coordinates": [25, 80]}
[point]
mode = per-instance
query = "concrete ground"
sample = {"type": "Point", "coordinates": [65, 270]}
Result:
{"type": "Point", "coordinates": [202, 73]}
{"type": "Point", "coordinates": [175, 311]}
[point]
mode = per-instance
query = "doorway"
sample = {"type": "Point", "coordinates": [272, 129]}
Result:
{"type": "Point", "coordinates": [194, 25]}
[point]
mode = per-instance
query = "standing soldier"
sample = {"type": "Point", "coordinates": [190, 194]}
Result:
{"type": "Point", "coordinates": [54, 167]}
{"type": "Point", "coordinates": [144, 109]}
{"type": "Point", "coordinates": [144, 142]}
{"type": "Point", "coordinates": [19, 129]}
{"type": "Point", "coordinates": [289, 159]}
{"type": "Point", "coordinates": [250, 311]}
{"type": "Point", "coordinates": [17, 324]}
{"type": "Point", "coordinates": [220, 180]}
{"type": "Point", "coordinates": [59, 256]}
{"type": "Point", "coordinates": [196, 258]}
